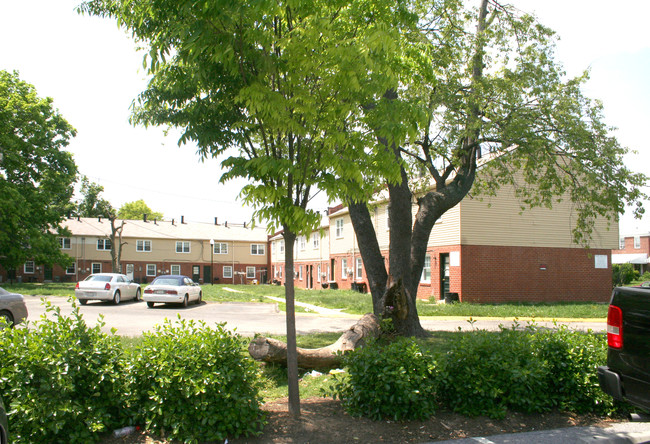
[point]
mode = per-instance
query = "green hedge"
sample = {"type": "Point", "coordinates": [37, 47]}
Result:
{"type": "Point", "coordinates": [483, 373]}
{"type": "Point", "coordinates": [62, 381]}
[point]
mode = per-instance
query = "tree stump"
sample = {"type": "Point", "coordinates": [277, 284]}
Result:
{"type": "Point", "coordinates": [274, 351]}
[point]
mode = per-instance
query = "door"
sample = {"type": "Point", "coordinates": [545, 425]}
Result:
{"type": "Point", "coordinates": [47, 273]}
{"type": "Point", "coordinates": [129, 271]}
{"type": "Point", "coordinates": [332, 267]}
{"type": "Point", "coordinates": [207, 274]}
{"type": "Point", "coordinates": [196, 273]}
{"type": "Point", "coordinates": [444, 275]}
{"type": "Point", "coordinates": [310, 278]}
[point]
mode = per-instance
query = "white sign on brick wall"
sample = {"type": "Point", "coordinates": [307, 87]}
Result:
{"type": "Point", "coordinates": [600, 261]}
{"type": "Point", "coordinates": [454, 259]}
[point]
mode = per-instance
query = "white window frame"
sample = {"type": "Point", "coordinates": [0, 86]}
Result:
{"type": "Point", "coordinates": [282, 246]}
{"type": "Point", "coordinates": [344, 268]}
{"type": "Point", "coordinates": [148, 269]}
{"type": "Point", "coordinates": [72, 269]}
{"type": "Point", "coordinates": [359, 268]}
{"type": "Point", "coordinates": [621, 243]}
{"type": "Point", "coordinates": [175, 269]}
{"type": "Point", "coordinates": [183, 247]}
{"type": "Point", "coordinates": [220, 248]}
{"type": "Point", "coordinates": [339, 228]}
{"type": "Point", "coordinates": [303, 243]}
{"type": "Point", "coordinates": [426, 270]}
{"type": "Point", "coordinates": [65, 243]}
{"type": "Point", "coordinates": [103, 242]}
{"type": "Point", "coordinates": [227, 271]}
{"type": "Point", "coordinates": [96, 267]}
{"type": "Point", "coordinates": [318, 273]}
{"type": "Point", "coordinates": [300, 272]}
{"type": "Point", "coordinates": [315, 240]}
{"type": "Point", "coordinates": [637, 242]}
{"type": "Point", "coordinates": [250, 272]}
{"type": "Point", "coordinates": [29, 267]}
{"type": "Point", "coordinates": [258, 249]}
{"type": "Point", "coordinates": [143, 246]}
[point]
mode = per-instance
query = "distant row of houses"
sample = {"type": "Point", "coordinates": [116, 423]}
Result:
{"type": "Point", "coordinates": [484, 250]}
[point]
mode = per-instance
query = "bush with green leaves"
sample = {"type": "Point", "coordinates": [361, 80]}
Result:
{"type": "Point", "coordinates": [572, 359]}
{"type": "Point", "coordinates": [61, 380]}
{"type": "Point", "coordinates": [388, 380]}
{"type": "Point", "coordinates": [530, 370]}
{"type": "Point", "coordinates": [195, 383]}
{"type": "Point", "coordinates": [485, 373]}
{"type": "Point", "coordinates": [623, 274]}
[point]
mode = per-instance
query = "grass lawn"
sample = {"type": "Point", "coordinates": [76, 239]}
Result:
{"type": "Point", "coordinates": [357, 303]}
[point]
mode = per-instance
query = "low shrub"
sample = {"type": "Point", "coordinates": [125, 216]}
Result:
{"type": "Point", "coordinates": [60, 380]}
{"type": "Point", "coordinates": [388, 380]}
{"type": "Point", "coordinates": [195, 383]}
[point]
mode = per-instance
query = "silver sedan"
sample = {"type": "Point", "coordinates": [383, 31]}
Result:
{"type": "Point", "coordinates": [114, 287]}
{"type": "Point", "coordinates": [173, 289]}
{"type": "Point", "coordinates": [12, 307]}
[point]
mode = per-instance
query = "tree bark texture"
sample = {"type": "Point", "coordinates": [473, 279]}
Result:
{"type": "Point", "coordinates": [291, 356]}
{"type": "Point", "coordinates": [274, 351]}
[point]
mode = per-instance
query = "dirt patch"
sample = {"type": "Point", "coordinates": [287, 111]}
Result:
{"type": "Point", "coordinates": [324, 421]}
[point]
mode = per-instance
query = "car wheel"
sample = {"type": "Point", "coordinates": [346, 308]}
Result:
{"type": "Point", "coordinates": [117, 298]}
{"type": "Point", "coordinates": [7, 317]}
{"type": "Point", "coordinates": [150, 304]}
{"type": "Point", "coordinates": [83, 301]}
{"type": "Point", "coordinates": [138, 295]}
{"type": "Point", "coordinates": [185, 300]}
{"type": "Point", "coordinates": [198, 301]}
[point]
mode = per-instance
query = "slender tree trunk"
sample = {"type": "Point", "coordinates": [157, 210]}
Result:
{"type": "Point", "coordinates": [292, 351]}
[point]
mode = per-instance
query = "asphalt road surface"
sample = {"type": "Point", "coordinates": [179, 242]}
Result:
{"type": "Point", "coordinates": [133, 318]}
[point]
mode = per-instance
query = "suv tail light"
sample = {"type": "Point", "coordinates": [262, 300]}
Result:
{"type": "Point", "coordinates": [107, 286]}
{"type": "Point", "coordinates": [614, 327]}
{"type": "Point", "coordinates": [76, 286]}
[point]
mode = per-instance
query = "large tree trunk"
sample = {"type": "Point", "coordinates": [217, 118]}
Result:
{"type": "Point", "coordinates": [274, 351]}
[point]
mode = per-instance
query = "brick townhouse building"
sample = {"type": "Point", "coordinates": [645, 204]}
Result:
{"type": "Point", "coordinates": [485, 250]}
{"type": "Point", "coordinates": [206, 252]}
{"type": "Point", "coordinates": [633, 248]}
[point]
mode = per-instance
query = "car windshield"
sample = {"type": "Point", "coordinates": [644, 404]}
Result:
{"type": "Point", "coordinates": [167, 281]}
{"type": "Point", "coordinates": [99, 278]}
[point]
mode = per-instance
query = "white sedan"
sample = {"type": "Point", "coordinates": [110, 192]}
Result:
{"type": "Point", "coordinates": [114, 287]}
{"type": "Point", "coordinates": [172, 289]}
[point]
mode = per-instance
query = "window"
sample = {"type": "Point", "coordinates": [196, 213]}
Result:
{"type": "Point", "coordinates": [315, 240]}
{"type": "Point", "coordinates": [303, 243]}
{"type": "Point", "coordinates": [72, 269]}
{"type": "Point", "coordinates": [176, 269]}
{"type": "Point", "coordinates": [300, 272]}
{"type": "Point", "coordinates": [182, 246]}
{"type": "Point", "coordinates": [96, 268]}
{"type": "Point", "coordinates": [621, 243]}
{"type": "Point", "coordinates": [29, 267]}
{"type": "Point", "coordinates": [250, 272]}
{"type": "Point", "coordinates": [339, 228]}
{"type": "Point", "coordinates": [318, 274]}
{"type": "Point", "coordinates": [282, 246]}
{"type": "Point", "coordinates": [359, 268]}
{"type": "Point", "coordinates": [64, 243]}
{"type": "Point", "coordinates": [280, 272]}
{"type": "Point", "coordinates": [227, 271]}
{"type": "Point", "coordinates": [104, 244]}
{"type": "Point", "coordinates": [344, 268]}
{"type": "Point", "coordinates": [426, 270]}
{"type": "Point", "coordinates": [220, 248]}
{"type": "Point", "coordinates": [257, 250]}
{"type": "Point", "coordinates": [143, 245]}
{"type": "Point", "coordinates": [151, 269]}
{"type": "Point", "coordinates": [637, 242]}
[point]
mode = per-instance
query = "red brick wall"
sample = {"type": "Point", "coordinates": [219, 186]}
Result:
{"type": "Point", "coordinates": [504, 274]}
{"type": "Point", "coordinates": [629, 246]}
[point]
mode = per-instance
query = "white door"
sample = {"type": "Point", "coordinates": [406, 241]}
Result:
{"type": "Point", "coordinates": [129, 270]}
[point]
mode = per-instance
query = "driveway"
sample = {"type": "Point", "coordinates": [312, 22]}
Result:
{"type": "Point", "coordinates": [133, 318]}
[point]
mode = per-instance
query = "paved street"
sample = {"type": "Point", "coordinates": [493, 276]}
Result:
{"type": "Point", "coordinates": [132, 318]}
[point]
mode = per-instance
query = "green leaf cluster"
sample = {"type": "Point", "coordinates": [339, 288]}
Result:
{"type": "Point", "coordinates": [194, 383]}
{"type": "Point", "coordinates": [36, 175]}
{"type": "Point", "coordinates": [388, 380]}
{"type": "Point", "coordinates": [62, 381]}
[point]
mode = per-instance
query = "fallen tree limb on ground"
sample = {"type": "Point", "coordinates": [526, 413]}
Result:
{"type": "Point", "coordinates": [274, 351]}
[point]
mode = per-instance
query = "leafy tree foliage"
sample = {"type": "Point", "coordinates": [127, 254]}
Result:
{"type": "Point", "coordinates": [36, 175]}
{"type": "Point", "coordinates": [136, 210]}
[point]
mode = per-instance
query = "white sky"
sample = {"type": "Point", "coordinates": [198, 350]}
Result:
{"type": "Point", "coordinates": [92, 71]}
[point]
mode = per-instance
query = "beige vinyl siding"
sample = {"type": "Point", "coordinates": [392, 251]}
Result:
{"type": "Point", "coordinates": [347, 242]}
{"type": "Point", "coordinates": [446, 231]}
{"type": "Point", "coordinates": [498, 220]}
{"type": "Point", "coordinates": [315, 254]}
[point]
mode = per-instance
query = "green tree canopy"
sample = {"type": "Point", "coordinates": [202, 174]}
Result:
{"type": "Point", "coordinates": [136, 210]}
{"type": "Point", "coordinates": [36, 175]}
{"type": "Point", "coordinates": [91, 203]}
